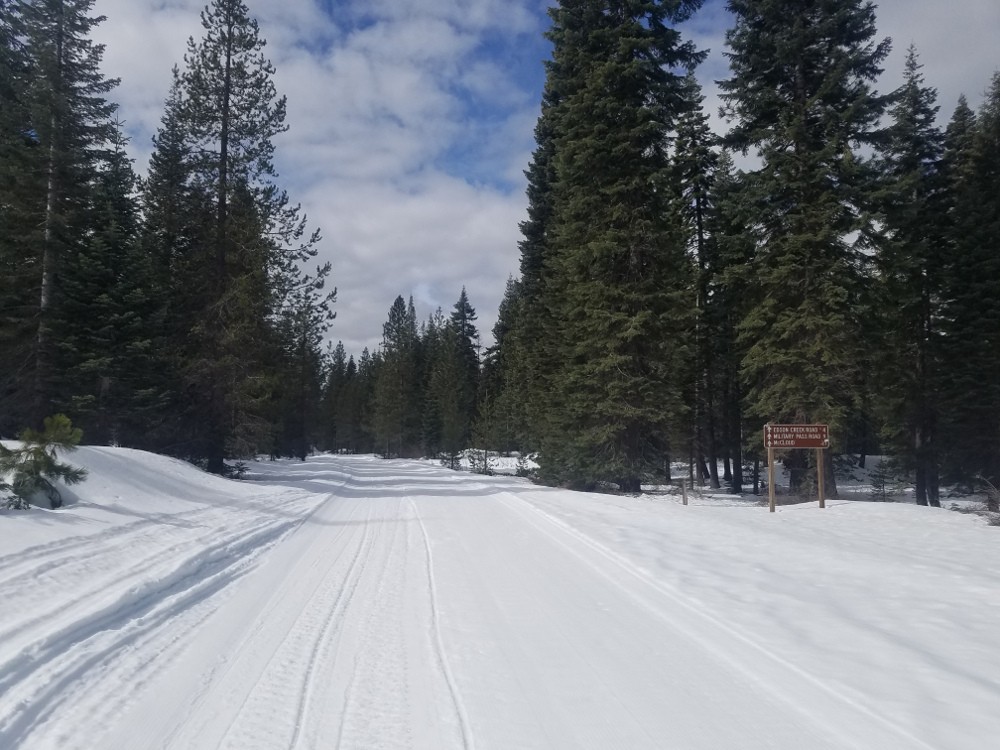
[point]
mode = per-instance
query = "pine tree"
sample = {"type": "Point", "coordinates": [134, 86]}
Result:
{"type": "Point", "coordinates": [105, 348]}
{"type": "Point", "coordinates": [971, 310]}
{"type": "Point", "coordinates": [432, 346]}
{"type": "Point", "coordinates": [695, 162]}
{"type": "Point", "coordinates": [170, 202]}
{"type": "Point", "coordinates": [369, 366]}
{"type": "Point", "coordinates": [242, 268]}
{"type": "Point", "coordinates": [395, 408]}
{"type": "Point", "coordinates": [304, 318]}
{"type": "Point", "coordinates": [32, 467]}
{"type": "Point", "coordinates": [502, 418]}
{"type": "Point", "coordinates": [800, 96]}
{"type": "Point", "coordinates": [21, 196]}
{"type": "Point", "coordinates": [911, 268]}
{"type": "Point", "coordinates": [334, 384]}
{"type": "Point", "coordinates": [463, 321]}
{"type": "Point", "coordinates": [175, 212]}
{"type": "Point", "coordinates": [452, 394]}
{"type": "Point", "coordinates": [520, 357]}
{"type": "Point", "coordinates": [730, 252]}
{"type": "Point", "coordinates": [72, 125]}
{"type": "Point", "coordinates": [617, 289]}
{"type": "Point", "coordinates": [347, 410]}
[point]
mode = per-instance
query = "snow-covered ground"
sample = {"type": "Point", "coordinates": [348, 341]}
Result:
{"type": "Point", "coordinates": [349, 602]}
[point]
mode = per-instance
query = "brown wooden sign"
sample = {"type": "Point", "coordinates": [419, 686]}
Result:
{"type": "Point", "coordinates": [796, 436]}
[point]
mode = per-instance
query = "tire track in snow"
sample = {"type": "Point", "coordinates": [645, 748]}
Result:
{"type": "Point", "coordinates": [76, 574]}
{"type": "Point", "coordinates": [82, 593]}
{"type": "Point", "coordinates": [331, 628]}
{"type": "Point", "coordinates": [33, 561]}
{"type": "Point", "coordinates": [376, 701]}
{"type": "Point", "coordinates": [266, 698]}
{"type": "Point", "coordinates": [47, 670]}
{"type": "Point", "coordinates": [467, 738]}
{"type": "Point", "coordinates": [712, 646]}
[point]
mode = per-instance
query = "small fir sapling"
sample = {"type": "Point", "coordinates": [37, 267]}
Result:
{"type": "Point", "coordinates": [30, 469]}
{"type": "Point", "coordinates": [883, 486]}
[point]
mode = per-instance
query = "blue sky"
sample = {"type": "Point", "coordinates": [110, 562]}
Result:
{"type": "Point", "coordinates": [411, 122]}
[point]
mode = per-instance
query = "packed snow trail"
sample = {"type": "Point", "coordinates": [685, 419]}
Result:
{"type": "Point", "coordinates": [348, 602]}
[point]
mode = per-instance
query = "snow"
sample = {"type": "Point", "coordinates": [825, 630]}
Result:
{"type": "Point", "coordinates": [350, 602]}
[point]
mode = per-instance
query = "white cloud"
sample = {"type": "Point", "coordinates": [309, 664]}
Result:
{"type": "Point", "coordinates": [956, 42]}
{"type": "Point", "coordinates": [377, 93]}
{"type": "Point", "coordinates": [383, 152]}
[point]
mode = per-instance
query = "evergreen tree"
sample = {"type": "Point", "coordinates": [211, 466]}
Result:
{"type": "Point", "coordinates": [32, 467]}
{"type": "Point", "coordinates": [71, 125]}
{"type": "Point", "coordinates": [369, 366]}
{"type": "Point", "coordinates": [395, 409]}
{"type": "Point", "coordinates": [463, 321]}
{"type": "Point", "coordinates": [21, 196]}
{"type": "Point", "coordinates": [333, 389]}
{"type": "Point", "coordinates": [432, 344]}
{"type": "Point", "coordinates": [912, 270]}
{"type": "Point", "coordinates": [695, 162]}
{"type": "Point", "coordinates": [800, 95]}
{"type": "Point", "coordinates": [244, 259]}
{"type": "Point", "coordinates": [174, 213]}
{"type": "Point", "coordinates": [502, 417]}
{"type": "Point", "coordinates": [347, 410]}
{"type": "Point", "coordinates": [971, 310]}
{"type": "Point", "coordinates": [452, 394]}
{"type": "Point", "coordinates": [305, 317]}
{"type": "Point", "coordinates": [617, 289]}
{"type": "Point", "coordinates": [730, 252]}
{"type": "Point", "coordinates": [104, 333]}
{"type": "Point", "coordinates": [173, 209]}
{"type": "Point", "coordinates": [521, 357]}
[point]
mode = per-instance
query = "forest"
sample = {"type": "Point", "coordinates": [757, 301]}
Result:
{"type": "Point", "coordinates": [832, 257]}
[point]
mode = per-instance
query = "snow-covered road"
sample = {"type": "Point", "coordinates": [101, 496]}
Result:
{"type": "Point", "coordinates": [348, 602]}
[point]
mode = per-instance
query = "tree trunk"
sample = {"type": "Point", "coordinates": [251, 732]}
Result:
{"type": "Point", "coordinates": [933, 483]}
{"type": "Point", "coordinates": [50, 253]}
{"type": "Point", "coordinates": [920, 457]}
{"type": "Point", "coordinates": [737, 442]}
{"type": "Point", "coordinates": [797, 464]}
{"type": "Point", "coordinates": [222, 208]}
{"type": "Point", "coordinates": [829, 478]}
{"type": "Point", "coordinates": [216, 462]}
{"type": "Point", "coordinates": [630, 484]}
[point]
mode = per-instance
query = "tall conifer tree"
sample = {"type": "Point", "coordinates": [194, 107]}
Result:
{"type": "Point", "coordinates": [395, 406]}
{"type": "Point", "coordinates": [912, 268]}
{"type": "Point", "coordinates": [20, 201]}
{"type": "Point", "coordinates": [695, 161]}
{"type": "Point", "coordinates": [617, 294]}
{"type": "Point", "coordinates": [800, 95]}
{"type": "Point", "coordinates": [72, 126]}
{"type": "Point", "coordinates": [245, 259]}
{"type": "Point", "coordinates": [105, 352]}
{"type": "Point", "coordinates": [971, 339]}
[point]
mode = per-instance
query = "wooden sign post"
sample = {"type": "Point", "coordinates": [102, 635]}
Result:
{"type": "Point", "coordinates": [795, 436]}
{"type": "Point", "coordinates": [770, 478]}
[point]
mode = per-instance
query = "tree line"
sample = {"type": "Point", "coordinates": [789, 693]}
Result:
{"type": "Point", "coordinates": [170, 312]}
{"type": "Point", "coordinates": [669, 303]}
{"type": "Point", "coordinates": [416, 395]}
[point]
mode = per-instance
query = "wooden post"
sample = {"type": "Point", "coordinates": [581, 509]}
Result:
{"type": "Point", "coordinates": [770, 478]}
{"type": "Point", "coordinates": [684, 490]}
{"type": "Point", "coordinates": [819, 476]}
